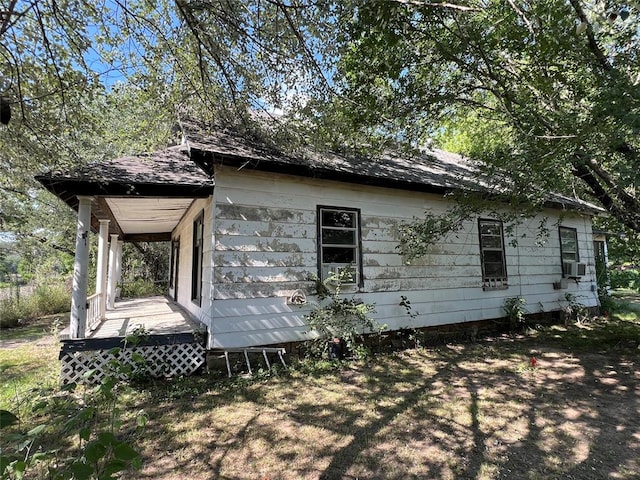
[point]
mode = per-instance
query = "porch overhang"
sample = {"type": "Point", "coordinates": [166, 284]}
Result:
{"type": "Point", "coordinates": [143, 197]}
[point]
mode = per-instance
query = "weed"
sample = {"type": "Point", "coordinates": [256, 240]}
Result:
{"type": "Point", "coordinates": [404, 302]}
{"type": "Point", "coordinates": [514, 308]}
{"type": "Point", "coordinates": [574, 310]}
{"type": "Point", "coordinates": [88, 420]}
{"type": "Point", "coordinates": [339, 318]}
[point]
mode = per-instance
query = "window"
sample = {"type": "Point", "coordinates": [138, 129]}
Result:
{"type": "Point", "coordinates": [494, 266]}
{"type": "Point", "coordinates": [339, 244]}
{"type": "Point", "coordinates": [196, 271]}
{"type": "Point", "coordinates": [568, 248]}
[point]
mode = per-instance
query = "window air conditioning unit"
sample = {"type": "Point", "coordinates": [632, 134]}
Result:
{"type": "Point", "coordinates": [574, 269]}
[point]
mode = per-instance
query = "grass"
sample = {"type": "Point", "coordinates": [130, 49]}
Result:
{"type": "Point", "coordinates": [478, 411]}
{"type": "Point", "coordinates": [28, 360]}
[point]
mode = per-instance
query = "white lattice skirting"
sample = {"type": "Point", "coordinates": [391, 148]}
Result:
{"type": "Point", "coordinates": [156, 361]}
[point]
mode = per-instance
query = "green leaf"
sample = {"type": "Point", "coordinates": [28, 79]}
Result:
{"type": "Point", "coordinates": [114, 466]}
{"type": "Point", "coordinates": [94, 451]}
{"type": "Point", "coordinates": [85, 433]}
{"type": "Point", "coordinates": [141, 420]}
{"type": "Point", "coordinates": [7, 418]}
{"type": "Point", "coordinates": [81, 471]}
{"type": "Point", "coordinates": [137, 358]}
{"type": "Point", "coordinates": [36, 457]}
{"type": "Point", "coordinates": [18, 468]}
{"type": "Point", "coordinates": [4, 463]}
{"type": "Point", "coordinates": [70, 387]}
{"type": "Point", "coordinates": [34, 432]}
{"type": "Point", "coordinates": [107, 438]}
{"type": "Point", "coordinates": [125, 452]}
{"type": "Point", "coordinates": [39, 406]}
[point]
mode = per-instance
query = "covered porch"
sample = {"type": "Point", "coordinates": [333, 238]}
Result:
{"type": "Point", "coordinates": [150, 315]}
{"type": "Point", "coordinates": [130, 199]}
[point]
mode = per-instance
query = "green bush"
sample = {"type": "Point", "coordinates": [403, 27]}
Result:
{"type": "Point", "coordinates": [625, 279]}
{"type": "Point", "coordinates": [45, 300]}
{"type": "Point", "coordinates": [12, 313]}
{"type": "Point", "coordinates": [142, 288]}
{"type": "Point", "coordinates": [50, 299]}
{"type": "Point", "coordinates": [339, 319]}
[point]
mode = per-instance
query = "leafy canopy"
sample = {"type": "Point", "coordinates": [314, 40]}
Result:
{"type": "Point", "coordinates": [545, 90]}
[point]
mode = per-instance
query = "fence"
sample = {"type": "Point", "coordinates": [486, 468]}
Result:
{"type": "Point", "coordinates": [16, 291]}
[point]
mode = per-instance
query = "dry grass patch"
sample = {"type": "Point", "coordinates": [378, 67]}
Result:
{"type": "Point", "coordinates": [473, 411]}
{"type": "Point", "coordinates": [478, 411]}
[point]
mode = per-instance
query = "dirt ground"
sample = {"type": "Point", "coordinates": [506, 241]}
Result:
{"type": "Point", "coordinates": [478, 411]}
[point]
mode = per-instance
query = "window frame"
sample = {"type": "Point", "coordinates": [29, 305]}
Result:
{"type": "Point", "coordinates": [574, 232]}
{"type": "Point", "coordinates": [197, 247]}
{"type": "Point", "coordinates": [492, 282]}
{"type": "Point", "coordinates": [359, 280]}
{"type": "Point", "coordinates": [174, 266]}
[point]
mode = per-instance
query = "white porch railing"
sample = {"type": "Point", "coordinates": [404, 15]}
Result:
{"type": "Point", "coordinates": [93, 311]}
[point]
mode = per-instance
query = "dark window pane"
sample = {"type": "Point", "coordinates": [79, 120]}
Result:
{"type": "Point", "coordinates": [338, 255]}
{"type": "Point", "coordinates": [340, 237]}
{"type": "Point", "coordinates": [492, 256]}
{"type": "Point", "coordinates": [491, 242]}
{"type": "Point", "coordinates": [567, 233]}
{"type": "Point", "coordinates": [490, 228]}
{"type": "Point", "coordinates": [494, 270]}
{"type": "Point", "coordinates": [332, 218]}
{"type": "Point", "coordinates": [568, 245]}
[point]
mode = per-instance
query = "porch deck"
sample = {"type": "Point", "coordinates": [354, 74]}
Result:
{"type": "Point", "coordinates": [170, 341]}
{"type": "Point", "coordinates": [154, 315]}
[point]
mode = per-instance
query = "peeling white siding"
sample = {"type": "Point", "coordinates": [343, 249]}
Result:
{"type": "Point", "coordinates": [265, 248]}
{"type": "Point", "coordinates": [184, 233]}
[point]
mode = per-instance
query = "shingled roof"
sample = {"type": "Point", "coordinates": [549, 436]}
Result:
{"type": "Point", "coordinates": [187, 170]}
{"type": "Point", "coordinates": [168, 173]}
{"type": "Point", "coordinates": [434, 171]}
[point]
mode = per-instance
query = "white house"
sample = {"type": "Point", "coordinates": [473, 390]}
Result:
{"type": "Point", "coordinates": [250, 226]}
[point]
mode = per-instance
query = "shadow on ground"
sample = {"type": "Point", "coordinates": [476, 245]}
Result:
{"type": "Point", "coordinates": [460, 412]}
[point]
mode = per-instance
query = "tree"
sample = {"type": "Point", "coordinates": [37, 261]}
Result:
{"type": "Point", "coordinates": [85, 82]}
{"type": "Point", "coordinates": [546, 91]}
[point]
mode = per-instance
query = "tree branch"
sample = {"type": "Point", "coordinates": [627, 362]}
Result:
{"type": "Point", "coordinates": [444, 5]}
{"type": "Point", "coordinates": [591, 39]}
{"type": "Point", "coordinates": [584, 173]}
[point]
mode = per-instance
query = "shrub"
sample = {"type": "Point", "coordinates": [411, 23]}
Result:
{"type": "Point", "coordinates": [628, 278]}
{"type": "Point", "coordinates": [141, 288]}
{"type": "Point", "coordinates": [343, 321]}
{"type": "Point", "coordinates": [514, 307]}
{"type": "Point", "coordinates": [12, 313]}
{"type": "Point", "coordinates": [50, 299]}
{"type": "Point", "coordinates": [45, 300]}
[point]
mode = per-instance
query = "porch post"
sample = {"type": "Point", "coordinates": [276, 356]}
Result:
{"type": "Point", "coordinates": [118, 266]}
{"type": "Point", "coordinates": [101, 273]}
{"type": "Point", "coordinates": [78, 321]}
{"type": "Point", "coordinates": [111, 279]}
